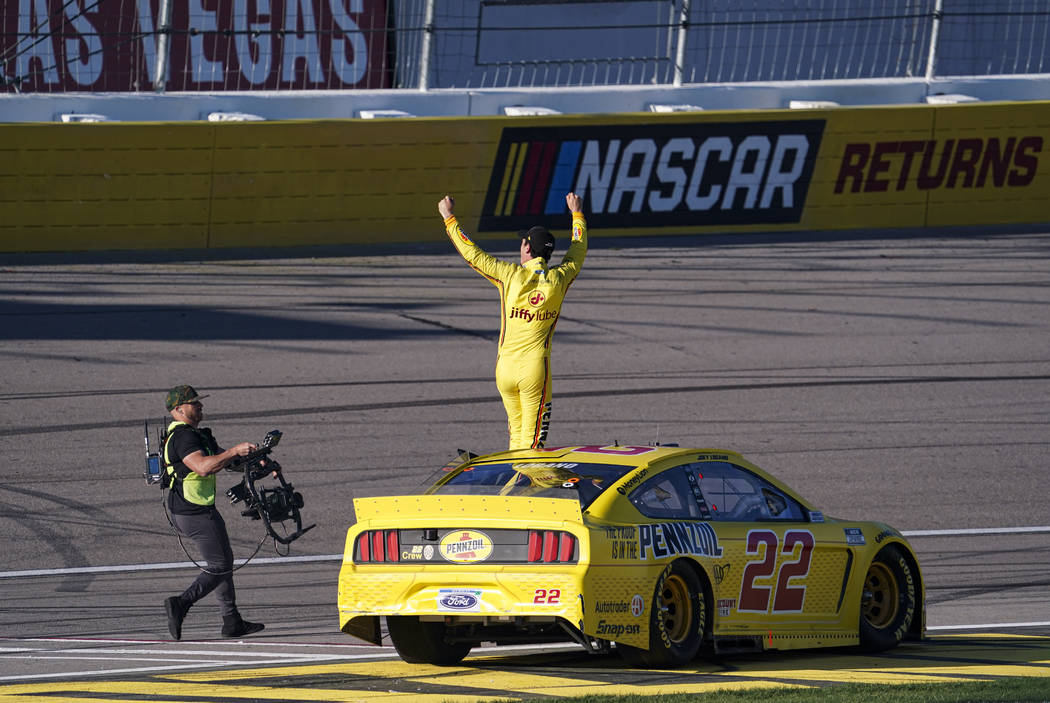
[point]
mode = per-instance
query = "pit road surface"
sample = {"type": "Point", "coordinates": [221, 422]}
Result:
{"type": "Point", "coordinates": [905, 380]}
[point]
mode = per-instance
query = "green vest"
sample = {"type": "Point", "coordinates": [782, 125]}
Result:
{"type": "Point", "coordinates": [196, 489]}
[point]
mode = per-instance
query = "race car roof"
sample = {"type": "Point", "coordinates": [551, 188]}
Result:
{"type": "Point", "coordinates": [626, 455]}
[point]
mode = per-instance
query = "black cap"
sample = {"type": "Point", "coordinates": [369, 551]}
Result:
{"type": "Point", "coordinates": [540, 240]}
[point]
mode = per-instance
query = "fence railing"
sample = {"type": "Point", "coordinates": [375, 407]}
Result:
{"type": "Point", "coordinates": [263, 45]}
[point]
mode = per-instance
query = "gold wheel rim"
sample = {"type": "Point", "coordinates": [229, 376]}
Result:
{"type": "Point", "coordinates": [881, 596]}
{"type": "Point", "coordinates": [676, 608]}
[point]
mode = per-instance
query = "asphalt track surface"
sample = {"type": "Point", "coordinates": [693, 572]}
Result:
{"type": "Point", "coordinates": [902, 379]}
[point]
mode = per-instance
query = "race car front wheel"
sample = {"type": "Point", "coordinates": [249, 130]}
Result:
{"type": "Point", "coordinates": [677, 621]}
{"type": "Point", "coordinates": [420, 642]}
{"type": "Point", "coordinates": [888, 600]}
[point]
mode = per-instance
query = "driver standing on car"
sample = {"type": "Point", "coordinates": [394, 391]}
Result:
{"type": "Point", "coordinates": [192, 458]}
{"type": "Point", "coordinates": [531, 295]}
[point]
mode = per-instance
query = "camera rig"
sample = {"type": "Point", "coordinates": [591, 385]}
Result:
{"type": "Point", "coordinates": [274, 504]}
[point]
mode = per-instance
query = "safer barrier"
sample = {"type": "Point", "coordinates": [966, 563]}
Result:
{"type": "Point", "coordinates": [101, 186]}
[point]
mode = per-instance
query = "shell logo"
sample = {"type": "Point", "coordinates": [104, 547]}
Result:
{"type": "Point", "coordinates": [465, 546]}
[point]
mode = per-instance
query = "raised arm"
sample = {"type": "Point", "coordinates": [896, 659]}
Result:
{"type": "Point", "coordinates": [577, 252]}
{"type": "Point", "coordinates": [488, 266]}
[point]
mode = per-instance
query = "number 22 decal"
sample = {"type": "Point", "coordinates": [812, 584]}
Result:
{"type": "Point", "coordinates": [788, 598]}
{"type": "Point", "coordinates": [550, 597]}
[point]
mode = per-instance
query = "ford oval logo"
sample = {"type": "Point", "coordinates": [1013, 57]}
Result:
{"type": "Point", "coordinates": [458, 601]}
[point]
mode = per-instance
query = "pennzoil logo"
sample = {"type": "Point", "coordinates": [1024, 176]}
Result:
{"type": "Point", "coordinates": [465, 546]}
{"type": "Point", "coordinates": [669, 174]}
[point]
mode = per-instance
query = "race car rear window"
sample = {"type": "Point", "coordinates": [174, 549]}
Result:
{"type": "Point", "coordinates": [547, 479]}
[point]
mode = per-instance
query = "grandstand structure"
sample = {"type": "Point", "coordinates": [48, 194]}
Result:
{"type": "Point", "coordinates": [276, 59]}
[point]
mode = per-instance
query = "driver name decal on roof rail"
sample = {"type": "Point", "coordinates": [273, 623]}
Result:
{"type": "Point", "coordinates": [670, 538]}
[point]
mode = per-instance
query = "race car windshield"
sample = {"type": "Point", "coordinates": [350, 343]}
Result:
{"type": "Point", "coordinates": [547, 479]}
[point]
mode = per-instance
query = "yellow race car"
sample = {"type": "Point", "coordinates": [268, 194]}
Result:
{"type": "Point", "coordinates": [657, 551]}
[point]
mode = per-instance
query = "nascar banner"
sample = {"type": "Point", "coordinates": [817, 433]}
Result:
{"type": "Point", "coordinates": [190, 184]}
{"type": "Point", "coordinates": [654, 175]}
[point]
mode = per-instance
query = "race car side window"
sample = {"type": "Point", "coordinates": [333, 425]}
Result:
{"type": "Point", "coordinates": [667, 495]}
{"type": "Point", "coordinates": [733, 493]}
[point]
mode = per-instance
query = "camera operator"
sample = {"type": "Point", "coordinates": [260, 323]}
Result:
{"type": "Point", "coordinates": [192, 458]}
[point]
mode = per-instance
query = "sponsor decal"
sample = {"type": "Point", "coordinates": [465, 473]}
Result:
{"type": "Point", "coordinates": [726, 606]}
{"type": "Point", "coordinates": [531, 316]}
{"type": "Point", "coordinates": [612, 606]}
{"type": "Point", "coordinates": [888, 532]}
{"type": "Point", "coordinates": [929, 164]}
{"type": "Point", "coordinates": [646, 175]}
{"type": "Point", "coordinates": [816, 516]}
{"type": "Point", "coordinates": [608, 629]}
{"type": "Point", "coordinates": [854, 536]}
{"type": "Point", "coordinates": [622, 532]}
{"type": "Point", "coordinates": [577, 232]}
{"type": "Point", "coordinates": [465, 546]}
{"type": "Point", "coordinates": [713, 457]}
{"type": "Point", "coordinates": [459, 600]}
{"type": "Point", "coordinates": [537, 298]}
{"type": "Point", "coordinates": [428, 552]}
{"type": "Point", "coordinates": [463, 235]}
{"type": "Point", "coordinates": [637, 605]}
{"type": "Point", "coordinates": [414, 554]}
{"type": "Point", "coordinates": [633, 481]}
{"type": "Point", "coordinates": [670, 538]}
{"type": "Point", "coordinates": [624, 549]}
{"type": "Point", "coordinates": [623, 541]}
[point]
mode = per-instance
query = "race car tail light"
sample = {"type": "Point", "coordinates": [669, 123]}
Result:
{"type": "Point", "coordinates": [551, 546]}
{"type": "Point", "coordinates": [373, 546]}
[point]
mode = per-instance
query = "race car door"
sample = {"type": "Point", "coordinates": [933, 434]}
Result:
{"type": "Point", "coordinates": [781, 572]}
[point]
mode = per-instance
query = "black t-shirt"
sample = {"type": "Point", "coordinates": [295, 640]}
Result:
{"type": "Point", "coordinates": [185, 441]}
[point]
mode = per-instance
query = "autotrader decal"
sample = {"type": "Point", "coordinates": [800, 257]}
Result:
{"type": "Point", "coordinates": [670, 538]}
{"type": "Point", "coordinates": [668, 174]}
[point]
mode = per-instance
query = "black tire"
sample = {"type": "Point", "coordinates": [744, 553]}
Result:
{"type": "Point", "coordinates": [888, 600]}
{"type": "Point", "coordinates": [424, 642]}
{"type": "Point", "coordinates": [678, 619]}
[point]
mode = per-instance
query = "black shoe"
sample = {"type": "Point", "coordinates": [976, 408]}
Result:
{"type": "Point", "coordinates": [176, 614]}
{"type": "Point", "coordinates": [237, 626]}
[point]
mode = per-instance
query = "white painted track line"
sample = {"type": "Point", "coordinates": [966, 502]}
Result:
{"type": "Point", "coordinates": [970, 531]}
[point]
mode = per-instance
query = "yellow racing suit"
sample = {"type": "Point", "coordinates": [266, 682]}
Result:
{"type": "Point", "coordinates": [530, 304]}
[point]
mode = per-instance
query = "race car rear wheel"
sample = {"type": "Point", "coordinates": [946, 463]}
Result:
{"type": "Point", "coordinates": [888, 600]}
{"type": "Point", "coordinates": [678, 619]}
{"type": "Point", "coordinates": [420, 642]}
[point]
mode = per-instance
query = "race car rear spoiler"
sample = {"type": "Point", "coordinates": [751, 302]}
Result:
{"type": "Point", "coordinates": [475, 508]}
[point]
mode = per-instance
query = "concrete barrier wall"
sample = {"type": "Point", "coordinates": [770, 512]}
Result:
{"type": "Point", "coordinates": [189, 185]}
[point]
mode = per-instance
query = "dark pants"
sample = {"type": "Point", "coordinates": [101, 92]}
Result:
{"type": "Point", "coordinates": [208, 532]}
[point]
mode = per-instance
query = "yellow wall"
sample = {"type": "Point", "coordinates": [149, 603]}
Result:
{"type": "Point", "coordinates": [190, 185]}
